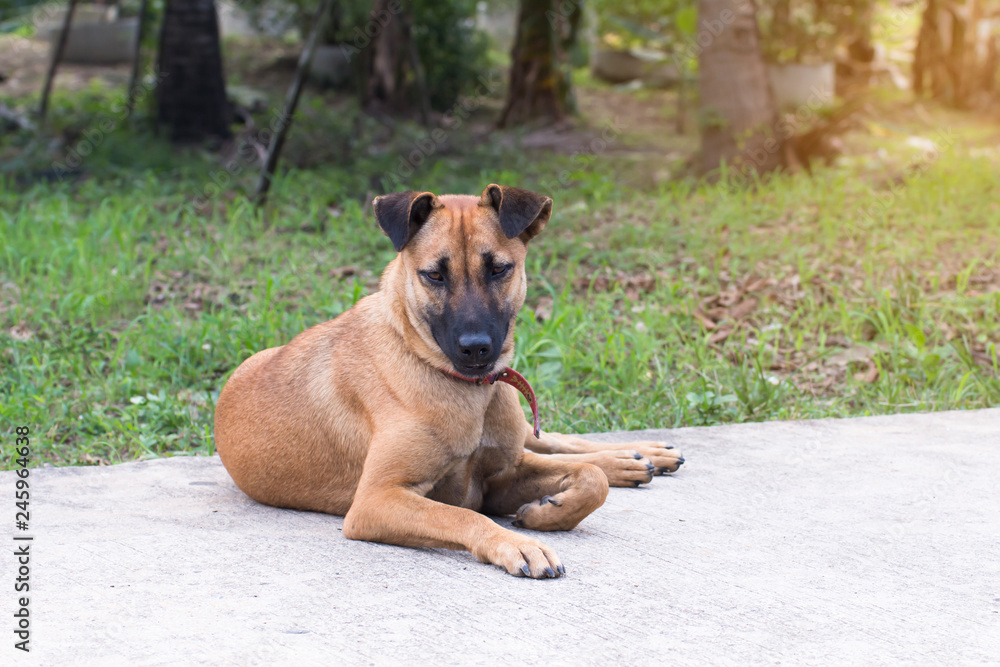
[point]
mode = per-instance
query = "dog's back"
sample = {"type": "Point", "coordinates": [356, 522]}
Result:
{"type": "Point", "coordinates": [276, 456]}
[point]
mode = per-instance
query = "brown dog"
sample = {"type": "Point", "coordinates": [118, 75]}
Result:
{"type": "Point", "coordinates": [383, 415]}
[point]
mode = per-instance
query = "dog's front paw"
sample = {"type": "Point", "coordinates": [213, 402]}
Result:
{"type": "Point", "coordinates": [523, 557]}
{"type": "Point", "coordinates": [664, 457]}
{"type": "Point", "coordinates": [623, 467]}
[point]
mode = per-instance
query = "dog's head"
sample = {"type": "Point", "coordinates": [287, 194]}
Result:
{"type": "Point", "coordinates": [460, 269]}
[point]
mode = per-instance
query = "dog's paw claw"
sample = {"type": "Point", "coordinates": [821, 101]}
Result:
{"type": "Point", "coordinates": [550, 499]}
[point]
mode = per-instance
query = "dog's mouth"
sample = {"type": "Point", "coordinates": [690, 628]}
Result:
{"type": "Point", "coordinates": [474, 371]}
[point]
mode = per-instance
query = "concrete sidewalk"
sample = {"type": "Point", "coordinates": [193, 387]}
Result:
{"type": "Point", "coordinates": [861, 541]}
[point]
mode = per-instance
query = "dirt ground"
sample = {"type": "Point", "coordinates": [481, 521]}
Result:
{"type": "Point", "coordinates": [24, 62]}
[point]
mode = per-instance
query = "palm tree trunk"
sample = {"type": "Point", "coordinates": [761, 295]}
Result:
{"type": "Point", "coordinates": [385, 58]}
{"type": "Point", "coordinates": [738, 114]}
{"type": "Point", "coordinates": [191, 88]}
{"type": "Point", "coordinates": [538, 87]}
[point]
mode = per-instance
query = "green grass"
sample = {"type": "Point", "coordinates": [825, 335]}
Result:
{"type": "Point", "coordinates": [123, 307]}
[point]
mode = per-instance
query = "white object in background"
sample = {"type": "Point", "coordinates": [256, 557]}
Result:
{"type": "Point", "coordinates": [796, 85]}
{"type": "Point", "coordinates": [107, 43]}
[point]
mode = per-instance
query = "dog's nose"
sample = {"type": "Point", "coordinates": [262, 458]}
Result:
{"type": "Point", "coordinates": [475, 348]}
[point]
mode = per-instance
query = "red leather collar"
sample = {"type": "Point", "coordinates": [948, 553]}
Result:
{"type": "Point", "coordinates": [514, 379]}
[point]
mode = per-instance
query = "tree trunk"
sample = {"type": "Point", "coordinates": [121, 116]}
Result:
{"type": "Point", "coordinates": [861, 47]}
{"type": "Point", "coordinates": [957, 62]}
{"type": "Point", "coordinates": [539, 86]}
{"type": "Point", "coordinates": [191, 88]}
{"type": "Point", "coordinates": [738, 113]}
{"type": "Point", "coordinates": [955, 51]}
{"type": "Point", "coordinates": [920, 53]}
{"type": "Point", "coordinates": [929, 60]}
{"type": "Point", "coordinates": [386, 57]}
{"type": "Point", "coordinates": [991, 66]}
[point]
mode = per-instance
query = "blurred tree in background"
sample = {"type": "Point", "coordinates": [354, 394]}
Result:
{"type": "Point", "coordinates": [738, 113]}
{"type": "Point", "coordinates": [409, 55]}
{"type": "Point", "coordinates": [809, 31]}
{"type": "Point", "coordinates": [375, 37]}
{"type": "Point", "coordinates": [958, 51]}
{"type": "Point", "coordinates": [191, 87]}
{"type": "Point", "coordinates": [539, 85]}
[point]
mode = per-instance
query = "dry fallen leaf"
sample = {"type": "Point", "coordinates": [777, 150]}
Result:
{"type": "Point", "coordinates": [94, 460]}
{"type": "Point", "coordinates": [729, 297]}
{"type": "Point", "coordinates": [869, 375]}
{"type": "Point", "coordinates": [705, 320]}
{"type": "Point", "coordinates": [21, 332]}
{"type": "Point", "coordinates": [743, 308]}
{"type": "Point", "coordinates": [721, 335]}
{"type": "Point", "coordinates": [855, 353]}
{"type": "Point", "coordinates": [343, 271]}
{"type": "Point", "coordinates": [634, 285]}
{"type": "Point", "coordinates": [984, 359]}
{"type": "Point", "coordinates": [759, 284]}
{"type": "Point", "coordinates": [543, 309]}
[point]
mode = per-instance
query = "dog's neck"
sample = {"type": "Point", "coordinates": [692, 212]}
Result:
{"type": "Point", "coordinates": [514, 379]}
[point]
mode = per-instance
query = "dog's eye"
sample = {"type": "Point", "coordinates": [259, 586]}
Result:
{"type": "Point", "coordinates": [434, 276]}
{"type": "Point", "coordinates": [500, 270]}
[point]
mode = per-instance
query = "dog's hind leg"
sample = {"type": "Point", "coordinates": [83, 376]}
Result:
{"type": "Point", "coordinates": [625, 464]}
{"type": "Point", "coordinates": [545, 494]}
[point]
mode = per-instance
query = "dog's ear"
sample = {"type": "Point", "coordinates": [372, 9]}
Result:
{"type": "Point", "coordinates": [401, 214]}
{"type": "Point", "coordinates": [522, 213]}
